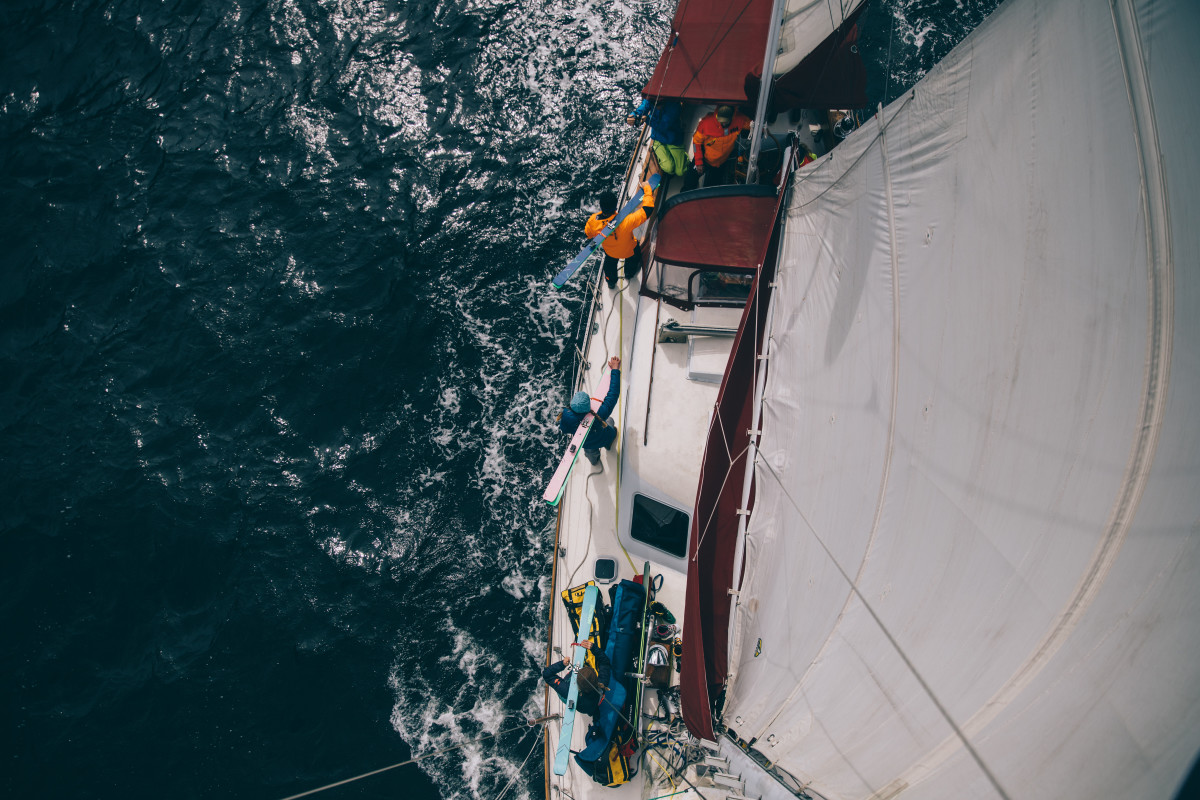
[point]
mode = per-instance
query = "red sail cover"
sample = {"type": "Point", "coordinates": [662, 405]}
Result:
{"type": "Point", "coordinates": [715, 46]}
{"type": "Point", "coordinates": [716, 231]}
{"type": "Point", "coordinates": [714, 520]}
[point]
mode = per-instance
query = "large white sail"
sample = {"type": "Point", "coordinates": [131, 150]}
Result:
{"type": "Point", "coordinates": [807, 23]}
{"type": "Point", "coordinates": [973, 564]}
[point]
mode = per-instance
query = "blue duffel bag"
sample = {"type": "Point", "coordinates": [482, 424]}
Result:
{"type": "Point", "coordinates": [624, 636]}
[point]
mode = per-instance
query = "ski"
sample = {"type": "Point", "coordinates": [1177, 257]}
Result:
{"type": "Point", "coordinates": [590, 597]}
{"type": "Point", "coordinates": [601, 390]}
{"type": "Point", "coordinates": [561, 278]}
{"type": "Point", "coordinates": [641, 665]}
{"type": "Point", "coordinates": [558, 481]}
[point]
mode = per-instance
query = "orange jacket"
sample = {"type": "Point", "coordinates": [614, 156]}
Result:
{"type": "Point", "coordinates": [621, 242]}
{"type": "Point", "coordinates": [714, 142]}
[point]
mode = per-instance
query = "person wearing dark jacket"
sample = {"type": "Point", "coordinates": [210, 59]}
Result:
{"type": "Point", "coordinates": [667, 138]}
{"type": "Point", "coordinates": [592, 682]}
{"type": "Point", "coordinates": [603, 432]}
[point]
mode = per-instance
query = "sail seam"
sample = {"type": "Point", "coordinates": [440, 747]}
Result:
{"type": "Point", "coordinates": [959, 732]}
{"type": "Point", "coordinates": [1160, 277]}
{"type": "Point", "coordinates": [883, 126]}
{"type": "Point", "coordinates": [912, 668]}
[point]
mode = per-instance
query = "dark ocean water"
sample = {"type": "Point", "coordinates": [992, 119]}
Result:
{"type": "Point", "coordinates": [279, 361]}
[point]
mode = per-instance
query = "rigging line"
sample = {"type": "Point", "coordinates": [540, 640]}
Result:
{"type": "Point", "coordinates": [757, 338]}
{"type": "Point", "coordinates": [416, 760]}
{"type": "Point", "coordinates": [820, 79]}
{"type": "Point", "coordinates": [887, 83]}
{"type": "Point", "coordinates": [616, 301]}
{"type": "Point", "coordinates": [620, 441]}
{"type": "Point", "coordinates": [672, 794]}
{"type": "Point", "coordinates": [721, 427]}
{"type": "Point", "coordinates": [588, 546]}
{"type": "Point", "coordinates": [711, 514]}
{"type": "Point", "coordinates": [713, 51]}
{"type": "Point", "coordinates": [616, 298]}
{"type": "Point", "coordinates": [620, 713]}
{"type": "Point", "coordinates": [675, 35]}
{"type": "Point", "coordinates": [970, 748]}
{"type": "Point", "coordinates": [664, 770]}
{"type": "Point", "coordinates": [666, 70]}
{"type": "Point", "coordinates": [882, 130]}
{"type": "Point", "coordinates": [521, 768]}
{"type": "Point", "coordinates": [713, 48]}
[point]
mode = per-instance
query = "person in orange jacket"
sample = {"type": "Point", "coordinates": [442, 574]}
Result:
{"type": "Point", "coordinates": [621, 243]}
{"type": "Point", "coordinates": [715, 140]}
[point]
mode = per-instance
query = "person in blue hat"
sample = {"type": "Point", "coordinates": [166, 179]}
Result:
{"type": "Point", "coordinates": [603, 432]}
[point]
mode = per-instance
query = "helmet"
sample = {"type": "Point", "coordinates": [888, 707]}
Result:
{"type": "Point", "coordinates": [581, 403]}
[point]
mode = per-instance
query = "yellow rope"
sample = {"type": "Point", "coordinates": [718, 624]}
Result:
{"type": "Point", "coordinates": [620, 415]}
{"type": "Point", "coordinates": [665, 771]}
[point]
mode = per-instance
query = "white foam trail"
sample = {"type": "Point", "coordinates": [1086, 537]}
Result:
{"type": "Point", "coordinates": [503, 167]}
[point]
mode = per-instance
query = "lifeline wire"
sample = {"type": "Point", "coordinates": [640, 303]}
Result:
{"type": "Point", "coordinates": [975, 755]}
{"type": "Point", "coordinates": [416, 760]}
{"type": "Point", "coordinates": [521, 768]}
{"type": "Point", "coordinates": [888, 635]}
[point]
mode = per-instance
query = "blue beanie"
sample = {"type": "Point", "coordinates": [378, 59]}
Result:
{"type": "Point", "coordinates": [581, 403]}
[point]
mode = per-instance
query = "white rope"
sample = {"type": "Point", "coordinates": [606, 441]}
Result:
{"type": "Point", "coordinates": [416, 760]}
{"type": "Point", "coordinates": [521, 768]}
{"type": "Point", "coordinates": [912, 668]}
{"type": "Point", "coordinates": [591, 511]}
{"type": "Point", "coordinates": [711, 514]}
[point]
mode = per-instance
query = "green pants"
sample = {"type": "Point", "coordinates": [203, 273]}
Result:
{"type": "Point", "coordinates": [672, 159]}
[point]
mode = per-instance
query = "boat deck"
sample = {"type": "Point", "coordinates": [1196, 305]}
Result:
{"type": "Point", "coordinates": [668, 393]}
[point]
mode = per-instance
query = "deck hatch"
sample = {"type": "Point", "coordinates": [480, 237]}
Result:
{"type": "Point", "coordinates": [659, 525]}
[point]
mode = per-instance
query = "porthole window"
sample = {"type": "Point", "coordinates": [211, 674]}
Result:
{"type": "Point", "coordinates": [659, 525]}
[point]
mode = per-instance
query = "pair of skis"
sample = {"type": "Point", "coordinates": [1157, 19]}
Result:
{"type": "Point", "coordinates": [590, 597]}
{"type": "Point", "coordinates": [643, 648]}
{"type": "Point", "coordinates": [558, 484]}
{"type": "Point", "coordinates": [560, 280]}
{"type": "Point", "coordinates": [562, 755]}
{"type": "Point", "coordinates": [558, 481]}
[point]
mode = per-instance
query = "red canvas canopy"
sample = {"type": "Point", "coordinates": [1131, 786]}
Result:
{"type": "Point", "coordinates": [712, 542]}
{"type": "Point", "coordinates": [715, 46]}
{"type": "Point", "coordinates": [721, 231]}
{"type": "Point", "coordinates": [715, 519]}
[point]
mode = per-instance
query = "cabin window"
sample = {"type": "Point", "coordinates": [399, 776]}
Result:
{"type": "Point", "coordinates": [659, 525]}
{"type": "Point", "coordinates": [686, 287]}
{"type": "Point", "coordinates": [722, 288]}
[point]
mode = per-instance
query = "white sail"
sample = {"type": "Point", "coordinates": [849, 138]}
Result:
{"type": "Point", "coordinates": [973, 565]}
{"type": "Point", "coordinates": [807, 23]}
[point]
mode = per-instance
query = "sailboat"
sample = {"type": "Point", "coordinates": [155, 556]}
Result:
{"type": "Point", "coordinates": [910, 435]}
